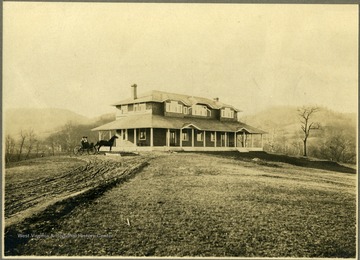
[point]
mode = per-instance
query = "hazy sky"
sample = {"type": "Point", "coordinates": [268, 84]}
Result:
{"type": "Point", "coordinates": [85, 56]}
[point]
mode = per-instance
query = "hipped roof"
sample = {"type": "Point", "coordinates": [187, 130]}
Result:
{"type": "Point", "coordinates": [161, 96]}
{"type": "Point", "coordinates": [156, 121]}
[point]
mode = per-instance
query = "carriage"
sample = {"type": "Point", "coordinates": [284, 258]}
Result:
{"type": "Point", "coordinates": [79, 149]}
{"type": "Point", "coordinates": [93, 149]}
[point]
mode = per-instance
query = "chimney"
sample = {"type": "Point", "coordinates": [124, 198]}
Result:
{"type": "Point", "coordinates": [216, 99]}
{"type": "Point", "coordinates": [134, 93]}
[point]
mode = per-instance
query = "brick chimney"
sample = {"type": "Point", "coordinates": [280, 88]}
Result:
{"type": "Point", "coordinates": [134, 93]}
{"type": "Point", "coordinates": [216, 99]}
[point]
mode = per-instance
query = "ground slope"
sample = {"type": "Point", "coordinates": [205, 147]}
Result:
{"type": "Point", "coordinates": [205, 205]}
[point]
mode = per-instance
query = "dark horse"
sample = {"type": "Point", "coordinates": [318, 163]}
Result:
{"type": "Point", "coordinates": [106, 143]}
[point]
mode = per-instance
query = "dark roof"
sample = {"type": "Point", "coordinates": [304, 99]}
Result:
{"type": "Point", "coordinates": [161, 96]}
{"type": "Point", "coordinates": [156, 121]}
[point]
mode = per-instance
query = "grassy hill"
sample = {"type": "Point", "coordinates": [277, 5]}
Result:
{"type": "Point", "coordinates": [191, 205]}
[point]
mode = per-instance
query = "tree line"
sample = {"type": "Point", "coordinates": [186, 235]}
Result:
{"type": "Point", "coordinates": [335, 141]}
{"type": "Point", "coordinates": [27, 144]}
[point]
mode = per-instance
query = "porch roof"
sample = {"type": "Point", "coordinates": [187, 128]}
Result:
{"type": "Point", "coordinates": [156, 121]}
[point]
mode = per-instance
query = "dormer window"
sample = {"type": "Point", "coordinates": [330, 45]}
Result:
{"type": "Point", "coordinates": [124, 109]}
{"type": "Point", "coordinates": [200, 110]}
{"type": "Point", "coordinates": [227, 112]}
{"type": "Point", "coordinates": [136, 107]}
{"type": "Point", "coordinates": [174, 107]}
{"type": "Point", "coordinates": [139, 107]}
{"type": "Point", "coordinates": [142, 106]}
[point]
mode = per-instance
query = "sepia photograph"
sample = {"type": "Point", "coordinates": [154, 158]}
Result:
{"type": "Point", "coordinates": [179, 130]}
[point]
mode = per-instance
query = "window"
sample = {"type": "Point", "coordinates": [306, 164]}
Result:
{"type": "Point", "coordinates": [200, 110]}
{"type": "Point", "coordinates": [142, 107]}
{"type": "Point", "coordinates": [212, 137]}
{"type": "Point", "coordinates": [185, 136]}
{"type": "Point", "coordinates": [185, 110]}
{"type": "Point", "coordinates": [142, 134]}
{"type": "Point", "coordinates": [199, 137]}
{"type": "Point", "coordinates": [227, 112]}
{"type": "Point", "coordinates": [174, 107]}
{"type": "Point", "coordinates": [139, 107]}
{"type": "Point", "coordinates": [124, 109]}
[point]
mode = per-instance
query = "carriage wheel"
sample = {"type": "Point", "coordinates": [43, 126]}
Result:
{"type": "Point", "coordinates": [77, 150]}
{"type": "Point", "coordinates": [92, 150]}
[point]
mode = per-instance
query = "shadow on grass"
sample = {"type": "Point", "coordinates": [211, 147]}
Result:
{"type": "Point", "coordinates": [297, 161]}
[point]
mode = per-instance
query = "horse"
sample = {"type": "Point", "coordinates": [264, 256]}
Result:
{"type": "Point", "coordinates": [106, 143]}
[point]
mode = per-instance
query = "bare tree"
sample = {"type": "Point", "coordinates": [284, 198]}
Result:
{"type": "Point", "coordinates": [9, 147]}
{"type": "Point", "coordinates": [31, 141]}
{"type": "Point", "coordinates": [305, 114]}
{"type": "Point", "coordinates": [52, 141]}
{"type": "Point", "coordinates": [37, 148]}
{"type": "Point", "coordinates": [68, 135]}
{"type": "Point", "coordinates": [21, 143]}
{"type": "Point", "coordinates": [340, 148]}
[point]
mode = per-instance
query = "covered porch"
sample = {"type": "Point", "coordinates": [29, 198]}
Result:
{"type": "Point", "coordinates": [154, 132]}
{"type": "Point", "coordinates": [187, 138]}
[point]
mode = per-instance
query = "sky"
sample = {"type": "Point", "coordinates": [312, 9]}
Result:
{"type": "Point", "coordinates": [85, 56]}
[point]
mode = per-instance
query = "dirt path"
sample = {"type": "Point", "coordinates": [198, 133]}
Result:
{"type": "Point", "coordinates": [32, 186]}
{"type": "Point", "coordinates": [39, 193]}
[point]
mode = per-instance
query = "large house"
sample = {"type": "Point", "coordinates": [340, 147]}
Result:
{"type": "Point", "coordinates": [159, 120]}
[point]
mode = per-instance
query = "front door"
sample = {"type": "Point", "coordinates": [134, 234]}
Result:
{"type": "Point", "coordinates": [239, 140]}
{"type": "Point", "coordinates": [222, 139]}
{"type": "Point", "coordinates": [172, 138]}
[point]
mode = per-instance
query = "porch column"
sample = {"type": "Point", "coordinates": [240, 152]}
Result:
{"type": "Point", "coordinates": [151, 137]}
{"type": "Point", "coordinates": [215, 138]}
{"type": "Point", "coordinates": [109, 133]}
{"type": "Point", "coordinates": [99, 135]}
{"type": "Point", "coordinates": [204, 141]}
{"type": "Point", "coordinates": [192, 137]}
{"type": "Point", "coordinates": [252, 140]}
{"type": "Point", "coordinates": [225, 139]}
{"type": "Point", "coordinates": [168, 137]}
{"type": "Point", "coordinates": [235, 139]}
{"type": "Point", "coordinates": [243, 139]}
{"type": "Point", "coordinates": [135, 137]}
{"type": "Point", "coordinates": [262, 144]}
{"type": "Point", "coordinates": [181, 137]}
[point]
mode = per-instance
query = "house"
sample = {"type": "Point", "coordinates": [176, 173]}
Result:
{"type": "Point", "coordinates": [159, 120]}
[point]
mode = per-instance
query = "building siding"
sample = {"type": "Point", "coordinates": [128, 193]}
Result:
{"type": "Point", "coordinates": [157, 108]}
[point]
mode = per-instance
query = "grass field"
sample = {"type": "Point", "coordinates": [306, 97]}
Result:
{"type": "Point", "coordinates": [189, 204]}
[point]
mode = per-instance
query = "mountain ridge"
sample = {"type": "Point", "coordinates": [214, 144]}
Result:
{"type": "Point", "coordinates": [50, 120]}
{"type": "Point", "coordinates": [42, 121]}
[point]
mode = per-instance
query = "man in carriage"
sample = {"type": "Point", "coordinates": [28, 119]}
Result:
{"type": "Point", "coordinates": [85, 143]}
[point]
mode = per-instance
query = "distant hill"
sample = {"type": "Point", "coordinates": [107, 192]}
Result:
{"type": "Point", "coordinates": [42, 121]}
{"type": "Point", "coordinates": [103, 119]}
